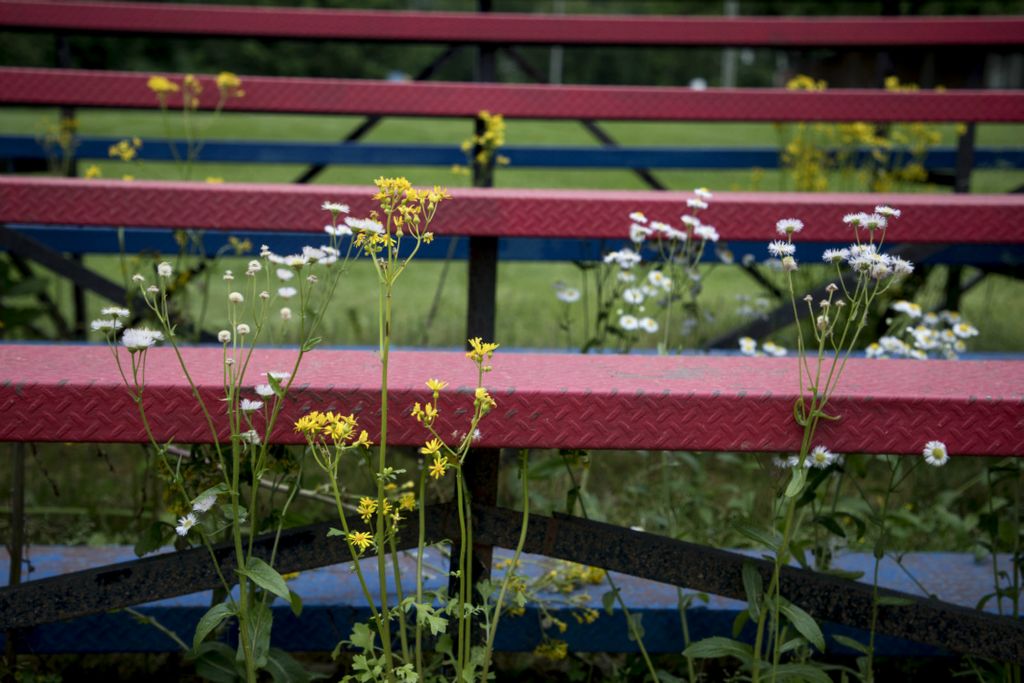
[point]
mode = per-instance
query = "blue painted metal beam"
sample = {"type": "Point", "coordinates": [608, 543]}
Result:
{"type": "Point", "coordinates": [235, 151]}
{"type": "Point", "coordinates": [333, 602]}
{"type": "Point", "coordinates": [98, 240]}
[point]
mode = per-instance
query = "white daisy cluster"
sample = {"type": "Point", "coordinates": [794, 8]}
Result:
{"type": "Point", "coordinates": [935, 335]}
{"type": "Point", "coordinates": [820, 458]}
{"type": "Point", "coordinates": [324, 255]}
{"type": "Point", "coordinates": [110, 323]}
{"type": "Point", "coordinates": [748, 347]}
{"type": "Point", "coordinates": [202, 504]}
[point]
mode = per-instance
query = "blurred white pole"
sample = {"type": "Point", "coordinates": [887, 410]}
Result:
{"type": "Point", "coordinates": [730, 8]}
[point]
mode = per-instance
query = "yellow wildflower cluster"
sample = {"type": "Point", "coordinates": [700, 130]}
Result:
{"type": "Point", "coordinates": [407, 501]}
{"type": "Point", "coordinates": [228, 84]}
{"type": "Point", "coordinates": [858, 151]}
{"type": "Point", "coordinates": [482, 149]}
{"type": "Point", "coordinates": [483, 401]}
{"type": "Point", "coordinates": [554, 650]}
{"type": "Point", "coordinates": [367, 506]}
{"type": "Point", "coordinates": [587, 615]}
{"type": "Point", "coordinates": [125, 150]}
{"type": "Point", "coordinates": [425, 414]}
{"type": "Point", "coordinates": [480, 350]}
{"type": "Point", "coordinates": [338, 428]}
{"type": "Point", "coordinates": [92, 172]}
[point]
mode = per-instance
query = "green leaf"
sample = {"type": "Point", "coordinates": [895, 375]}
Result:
{"type": "Point", "coordinates": [796, 482]}
{"type": "Point", "coordinates": [739, 622]}
{"type": "Point", "coordinates": [215, 662]}
{"type": "Point", "coordinates": [153, 538]}
{"type": "Point", "coordinates": [334, 532]}
{"type": "Point", "coordinates": [362, 637]}
{"type": "Point", "coordinates": [311, 343]}
{"type": "Point", "coordinates": [608, 600]}
{"type": "Point", "coordinates": [772, 541]}
{"type": "Point", "coordinates": [831, 524]}
{"type": "Point", "coordinates": [753, 586]}
{"type": "Point", "coordinates": [717, 646]}
{"type": "Point", "coordinates": [266, 577]}
{"type": "Point", "coordinates": [261, 619]}
{"type": "Point", "coordinates": [276, 385]}
{"type": "Point", "coordinates": [211, 620]}
{"type": "Point", "coordinates": [893, 601]}
{"type": "Point", "coordinates": [804, 624]}
{"type": "Point", "coordinates": [852, 644]}
{"type": "Point", "coordinates": [284, 669]}
{"type": "Point", "coordinates": [296, 603]}
{"type": "Point", "coordinates": [636, 629]}
{"type": "Point", "coordinates": [805, 673]}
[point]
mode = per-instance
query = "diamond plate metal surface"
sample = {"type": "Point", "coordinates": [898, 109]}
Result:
{"type": "Point", "coordinates": [950, 218]}
{"type": "Point", "coordinates": [84, 88]}
{"type": "Point", "coordinates": [73, 393]}
{"type": "Point", "coordinates": [505, 28]}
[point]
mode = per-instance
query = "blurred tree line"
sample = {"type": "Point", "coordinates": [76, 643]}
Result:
{"type": "Point", "coordinates": [638, 66]}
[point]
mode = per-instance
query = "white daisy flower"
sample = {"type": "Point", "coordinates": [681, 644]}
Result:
{"type": "Point", "coordinates": [106, 325]}
{"type": "Point", "coordinates": [284, 274]}
{"type": "Point", "coordinates": [254, 266]}
{"type": "Point", "coordinates": [228, 277]}
{"type": "Point", "coordinates": [787, 226]}
{"type": "Point", "coordinates": [638, 233]}
{"type": "Point", "coordinates": [789, 264]}
{"type": "Point", "coordinates": [164, 269]}
{"type": "Point", "coordinates": [569, 295]}
{"type": "Point", "coordinates": [773, 349]}
{"type": "Point", "coordinates": [185, 523]}
{"type": "Point", "coordinates": [691, 221]}
{"type": "Point", "coordinates": [115, 311]}
{"type": "Point", "coordinates": [264, 390]}
{"type": "Point", "coordinates": [279, 376]}
{"type": "Point", "coordinates": [242, 329]}
{"type": "Point", "coordinates": [696, 204]}
{"type": "Point", "coordinates": [364, 224]}
{"type": "Point", "coordinates": [907, 307]}
{"type": "Point", "coordinates": [778, 248]}
{"type": "Point", "coordinates": [633, 296]}
{"type": "Point", "coordinates": [623, 276]}
{"type": "Point", "coordinates": [140, 338]}
{"type": "Point", "coordinates": [287, 292]}
{"type": "Point", "coordinates": [334, 207]}
{"type": "Point", "coordinates": [887, 211]}
{"type": "Point", "coordinates": [649, 325]}
{"type": "Point", "coordinates": [936, 453]}
{"type": "Point", "coordinates": [286, 314]}
{"type": "Point", "coordinates": [703, 193]}
{"type": "Point", "coordinates": [965, 331]}
{"type": "Point", "coordinates": [236, 297]}
{"type": "Point", "coordinates": [338, 230]}
{"type": "Point", "coordinates": [821, 457]}
{"type": "Point", "coordinates": [138, 278]}
{"type": "Point", "coordinates": [224, 337]}
{"type": "Point", "coordinates": [706, 232]}
{"type": "Point", "coordinates": [835, 255]}
{"type": "Point", "coordinates": [637, 217]}
{"type": "Point", "coordinates": [628, 322]}
{"type": "Point", "coordinates": [247, 406]}
{"type": "Point", "coordinates": [748, 346]}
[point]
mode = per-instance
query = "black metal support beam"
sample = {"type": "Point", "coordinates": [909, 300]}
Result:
{"type": "Point", "coordinates": [15, 544]}
{"type": "Point", "coordinates": [656, 558]}
{"type": "Point", "coordinates": [370, 122]}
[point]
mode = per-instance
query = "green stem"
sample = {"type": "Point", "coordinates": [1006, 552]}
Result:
{"type": "Point", "coordinates": [384, 618]}
{"type": "Point", "coordinates": [493, 628]}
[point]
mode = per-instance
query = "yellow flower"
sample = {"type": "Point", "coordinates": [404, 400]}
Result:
{"type": "Point", "coordinates": [127, 178]}
{"type": "Point", "coordinates": [484, 400]}
{"type": "Point", "coordinates": [161, 85]}
{"type": "Point", "coordinates": [367, 506]}
{"type": "Point", "coordinates": [361, 540]}
{"type": "Point", "coordinates": [407, 501]}
{"type": "Point", "coordinates": [363, 440]}
{"type": "Point", "coordinates": [480, 349]}
{"type": "Point", "coordinates": [425, 415]}
{"type": "Point", "coordinates": [552, 649]}
{"type": "Point", "coordinates": [93, 172]}
{"type": "Point", "coordinates": [432, 447]}
{"type": "Point", "coordinates": [214, 180]}
{"type": "Point", "coordinates": [436, 385]}
{"type": "Point", "coordinates": [228, 81]}
{"type": "Point", "coordinates": [437, 469]}
{"type": "Point", "coordinates": [311, 423]}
